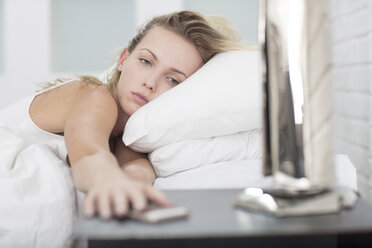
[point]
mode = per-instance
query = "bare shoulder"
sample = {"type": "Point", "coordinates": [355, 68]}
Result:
{"type": "Point", "coordinates": [51, 109]}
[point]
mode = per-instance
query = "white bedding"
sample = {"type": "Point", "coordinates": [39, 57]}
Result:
{"type": "Point", "coordinates": [241, 174]}
{"type": "Point", "coordinates": [38, 204]}
{"type": "Point", "coordinates": [223, 97]}
{"type": "Point", "coordinates": [186, 155]}
{"type": "Point", "coordinates": [38, 200]}
{"type": "Point", "coordinates": [229, 174]}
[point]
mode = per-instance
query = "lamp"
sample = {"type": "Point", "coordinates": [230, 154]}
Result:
{"type": "Point", "coordinates": [298, 154]}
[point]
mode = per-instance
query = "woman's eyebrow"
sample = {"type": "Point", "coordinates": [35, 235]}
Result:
{"type": "Point", "coordinates": [148, 50]}
{"type": "Point", "coordinates": [156, 58]}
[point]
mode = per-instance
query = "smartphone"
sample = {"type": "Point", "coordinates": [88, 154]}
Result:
{"type": "Point", "coordinates": [155, 214]}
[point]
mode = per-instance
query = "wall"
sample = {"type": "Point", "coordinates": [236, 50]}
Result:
{"type": "Point", "coordinates": [1, 37]}
{"type": "Point", "coordinates": [41, 40]}
{"type": "Point", "coordinates": [25, 47]}
{"type": "Point", "coordinates": [29, 48]}
{"type": "Point", "coordinates": [351, 34]}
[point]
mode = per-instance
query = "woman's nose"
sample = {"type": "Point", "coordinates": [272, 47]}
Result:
{"type": "Point", "coordinates": [150, 85]}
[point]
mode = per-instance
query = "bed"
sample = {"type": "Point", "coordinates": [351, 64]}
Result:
{"type": "Point", "coordinates": [209, 143]}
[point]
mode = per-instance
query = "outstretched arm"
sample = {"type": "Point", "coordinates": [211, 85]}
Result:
{"type": "Point", "coordinates": [95, 169]}
{"type": "Point", "coordinates": [134, 164]}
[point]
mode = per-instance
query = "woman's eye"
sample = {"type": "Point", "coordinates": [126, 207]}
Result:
{"type": "Point", "coordinates": [145, 61]}
{"type": "Point", "coordinates": [173, 81]}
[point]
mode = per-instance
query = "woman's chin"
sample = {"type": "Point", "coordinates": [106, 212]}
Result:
{"type": "Point", "coordinates": [132, 110]}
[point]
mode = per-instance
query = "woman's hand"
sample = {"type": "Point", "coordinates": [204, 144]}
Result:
{"type": "Point", "coordinates": [115, 196]}
{"type": "Point", "coordinates": [88, 125]}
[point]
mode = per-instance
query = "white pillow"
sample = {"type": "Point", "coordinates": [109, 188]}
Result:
{"type": "Point", "coordinates": [235, 174]}
{"type": "Point", "coordinates": [223, 97]}
{"type": "Point", "coordinates": [243, 174]}
{"type": "Point", "coordinates": [185, 155]}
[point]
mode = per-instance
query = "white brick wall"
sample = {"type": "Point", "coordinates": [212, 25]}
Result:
{"type": "Point", "coordinates": [351, 42]}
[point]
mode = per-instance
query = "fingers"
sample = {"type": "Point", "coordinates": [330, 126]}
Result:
{"type": "Point", "coordinates": [104, 206]}
{"type": "Point", "coordinates": [157, 197]}
{"type": "Point", "coordinates": [89, 205]}
{"type": "Point", "coordinates": [97, 203]}
{"type": "Point", "coordinates": [138, 199]}
{"type": "Point", "coordinates": [120, 203]}
{"type": "Point", "coordinates": [115, 201]}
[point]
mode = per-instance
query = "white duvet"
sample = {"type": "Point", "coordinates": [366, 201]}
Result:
{"type": "Point", "coordinates": [38, 204]}
{"type": "Point", "coordinates": [38, 199]}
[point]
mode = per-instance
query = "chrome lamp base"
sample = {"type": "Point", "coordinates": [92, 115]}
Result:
{"type": "Point", "coordinates": [298, 200]}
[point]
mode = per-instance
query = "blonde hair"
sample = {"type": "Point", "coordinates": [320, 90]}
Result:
{"type": "Point", "coordinates": [210, 36]}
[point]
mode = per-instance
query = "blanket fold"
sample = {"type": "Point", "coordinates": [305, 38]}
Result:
{"type": "Point", "coordinates": [38, 200]}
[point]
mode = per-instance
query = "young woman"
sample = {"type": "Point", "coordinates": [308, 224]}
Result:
{"type": "Point", "coordinates": [92, 115]}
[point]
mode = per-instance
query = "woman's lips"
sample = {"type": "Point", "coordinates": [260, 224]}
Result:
{"type": "Point", "coordinates": [139, 98]}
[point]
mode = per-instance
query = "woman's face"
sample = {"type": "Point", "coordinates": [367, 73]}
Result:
{"type": "Point", "coordinates": [161, 61]}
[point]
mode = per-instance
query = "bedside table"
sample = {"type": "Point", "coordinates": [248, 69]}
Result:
{"type": "Point", "coordinates": [215, 222]}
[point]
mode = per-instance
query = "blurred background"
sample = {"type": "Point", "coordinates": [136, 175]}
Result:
{"type": "Point", "coordinates": [41, 40]}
